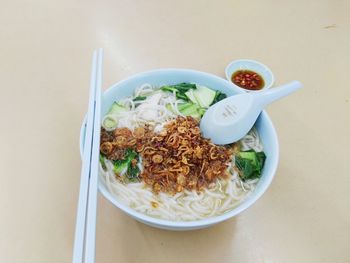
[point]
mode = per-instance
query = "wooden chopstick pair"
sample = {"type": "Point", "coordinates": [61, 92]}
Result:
{"type": "Point", "coordinates": [85, 231]}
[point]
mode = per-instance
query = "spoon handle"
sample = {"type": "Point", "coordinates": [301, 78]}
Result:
{"type": "Point", "coordinates": [265, 98]}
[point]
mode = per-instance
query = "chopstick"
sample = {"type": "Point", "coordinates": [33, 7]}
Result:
{"type": "Point", "coordinates": [85, 231]}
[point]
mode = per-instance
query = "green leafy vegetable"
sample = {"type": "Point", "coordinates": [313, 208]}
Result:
{"type": "Point", "coordinates": [132, 173]}
{"type": "Point", "coordinates": [116, 108]}
{"type": "Point", "coordinates": [138, 98]}
{"type": "Point", "coordinates": [250, 164]}
{"type": "Point", "coordinates": [180, 89]}
{"type": "Point", "coordinates": [181, 96]}
{"type": "Point", "coordinates": [102, 161]}
{"type": "Point", "coordinates": [120, 166]}
{"type": "Point", "coordinates": [170, 108]}
{"type": "Point", "coordinates": [110, 121]}
{"type": "Point", "coordinates": [218, 96]}
{"type": "Point", "coordinates": [189, 109]}
{"type": "Point", "coordinates": [125, 166]}
{"type": "Point", "coordinates": [201, 111]}
{"type": "Point", "coordinates": [200, 96]}
{"type": "Point", "coordinates": [204, 96]}
{"type": "Point", "coordinates": [185, 106]}
{"type": "Point", "coordinates": [190, 96]}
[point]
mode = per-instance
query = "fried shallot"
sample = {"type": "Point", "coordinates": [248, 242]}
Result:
{"type": "Point", "coordinates": [175, 159]}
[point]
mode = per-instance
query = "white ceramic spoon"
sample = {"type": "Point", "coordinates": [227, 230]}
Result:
{"type": "Point", "coordinates": [230, 119]}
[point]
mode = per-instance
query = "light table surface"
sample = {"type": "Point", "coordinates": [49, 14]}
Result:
{"type": "Point", "coordinates": [45, 61]}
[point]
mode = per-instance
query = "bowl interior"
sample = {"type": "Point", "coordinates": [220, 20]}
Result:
{"type": "Point", "coordinates": [172, 76]}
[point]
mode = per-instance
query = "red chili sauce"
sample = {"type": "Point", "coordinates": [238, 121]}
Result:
{"type": "Point", "coordinates": [248, 79]}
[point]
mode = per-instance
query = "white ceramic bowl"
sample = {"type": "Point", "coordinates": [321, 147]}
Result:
{"type": "Point", "coordinates": [248, 64]}
{"type": "Point", "coordinates": [172, 76]}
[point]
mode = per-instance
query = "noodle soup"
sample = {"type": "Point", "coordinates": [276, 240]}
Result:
{"type": "Point", "coordinates": [155, 160]}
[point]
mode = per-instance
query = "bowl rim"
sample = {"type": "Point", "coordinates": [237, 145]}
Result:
{"type": "Point", "coordinates": [237, 61]}
{"type": "Point", "coordinates": [197, 223]}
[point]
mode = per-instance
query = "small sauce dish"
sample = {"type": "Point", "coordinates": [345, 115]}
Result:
{"type": "Point", "coordinates": [249, 75]}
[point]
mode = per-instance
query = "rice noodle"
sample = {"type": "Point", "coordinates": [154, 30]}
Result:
{"type": "Point", "coordinates": [134, 117]}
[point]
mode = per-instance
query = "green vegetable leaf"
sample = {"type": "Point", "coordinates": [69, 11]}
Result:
{"type": "Point", "coordinates": [200, 96]}
{"type": "Point", "coordinates": [181, 96]}
{"type": "Point", "coordinates": [102, 161]}
{"type": "Point", "coordinates": [180, 89]}
{"type": "Point", "coordinates": [183, 87]}
{"type": "Point", "coordinates": [201, 111]}
{"type": "Point", "coordinates": [219, 96]}
{"type": "Point", "coordinates": [130, 154]}
{"type": "Point", "coordinates": [132, 173]}
{"type": "Point", "coordinates": [125, 167]}
{"type": "Point", "coordinates": [120, 166]}
{"type": "Point", "coordinates": [250, 164]}
{"type": "Point", "coordinates": [246, 168]}
{"type": "Point", "coordinates": [168, 88]}
{"type": "Point", "coordinates": [138, 98]}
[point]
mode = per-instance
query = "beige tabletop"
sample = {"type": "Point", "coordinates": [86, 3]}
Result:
{"type": "Point", "coordinates": [45, 60]}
